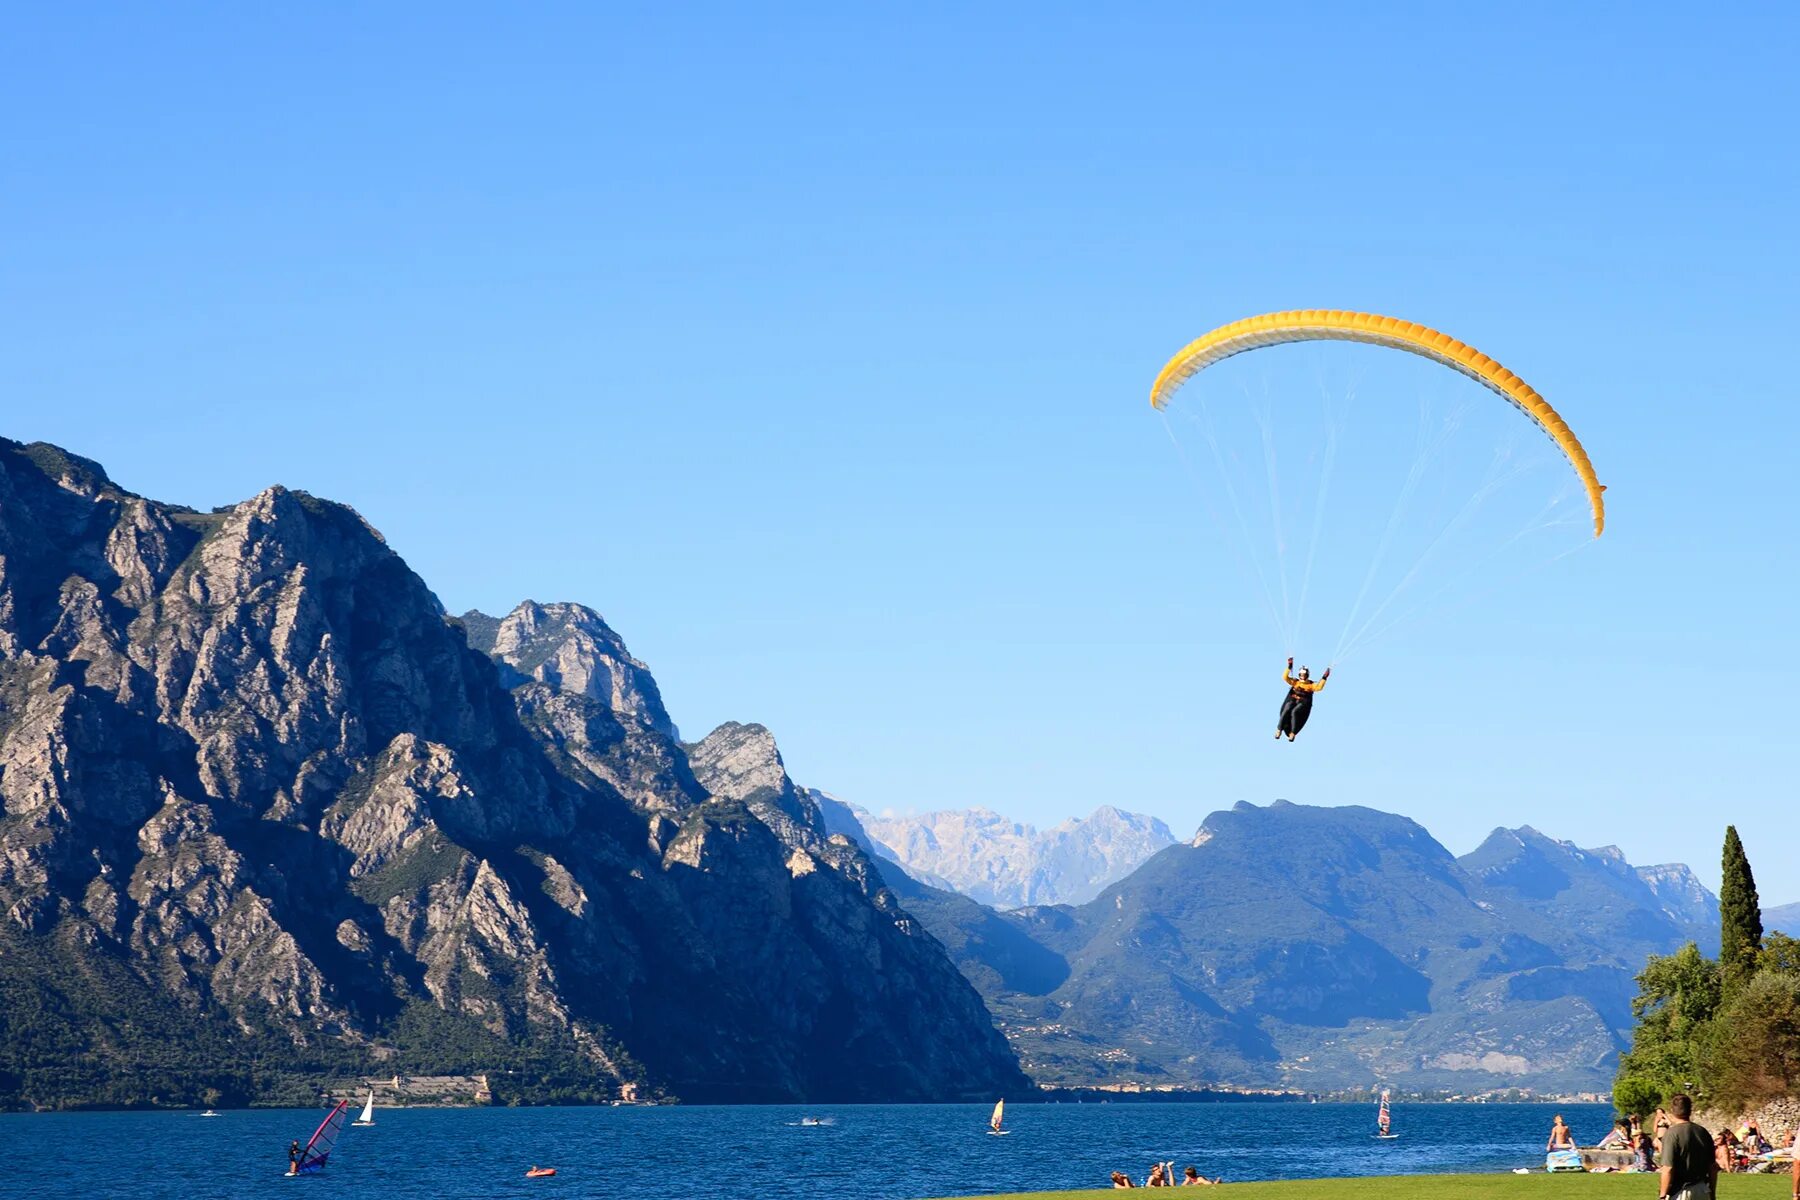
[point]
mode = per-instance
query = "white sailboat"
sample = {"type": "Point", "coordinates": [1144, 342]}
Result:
{"type": "Point", "coordinates": [995, 1121]}
{"type": "Point", "coordinates": [368, 1112]}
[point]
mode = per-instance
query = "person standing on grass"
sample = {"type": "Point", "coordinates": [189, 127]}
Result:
{"type": "Point", "coordinates": [1690, 1169]}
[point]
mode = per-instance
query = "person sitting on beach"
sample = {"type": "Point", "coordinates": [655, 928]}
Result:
{"type": "Point", "coordinates": [1730, 1149]}
{"type": "Point", "coordinates": [1193, 1178]}
{"type": "Point", "coordinates": [1646, 1153]}
{"type": "Point", "coordinates": [1122, 1180]}
{"type": "Point", "coordinates": [1560, 1137]}
{"type": "Point", "coordinates": [1616, 1138]}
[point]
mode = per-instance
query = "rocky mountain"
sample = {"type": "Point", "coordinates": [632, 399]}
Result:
{"type": "Point", "coordinates": [267, 813]}
{"type": "Point", "coordinates": [1685, 900]}
{"type": "Point", "coordinates": [1008, 864]}
{"type": "Point", "coordinates": [1330, 947]}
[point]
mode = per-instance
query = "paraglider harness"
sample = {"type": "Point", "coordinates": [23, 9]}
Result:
{"type": "Point", "coordinates": [1298, 705]}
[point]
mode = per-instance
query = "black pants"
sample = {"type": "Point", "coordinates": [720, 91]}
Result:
{"type": "Point", "coordinates": [1294, 711]}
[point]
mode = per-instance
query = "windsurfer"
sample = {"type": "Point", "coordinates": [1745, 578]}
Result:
{"type": "Point", "coordinates": [293, 1158]}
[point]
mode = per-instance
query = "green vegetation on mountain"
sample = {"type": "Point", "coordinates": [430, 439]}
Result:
{"type": "Point", "coordinates": [79, 1029]}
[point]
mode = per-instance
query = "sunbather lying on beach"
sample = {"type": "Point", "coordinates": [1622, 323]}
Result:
{"type": "Point", "coordinates": [1193, 1178]}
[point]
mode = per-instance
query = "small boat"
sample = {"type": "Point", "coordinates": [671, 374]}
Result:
{"type": "Point", "coordinates": [209, 1113]}
{"type": "Point", "coordinates": [1384, 1123]}
{"type": "Point", "coordinates": [995, 1121]}
{"type": "Point", "coordinates": [368, 1112]}
{"type": "Point", "coordinates": [540, 1172]}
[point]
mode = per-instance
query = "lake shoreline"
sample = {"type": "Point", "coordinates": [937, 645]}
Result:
{"type": "Point", "coordinates": [1485, 1186]}
{"type": "Point", "coordinates": [275, 1104]}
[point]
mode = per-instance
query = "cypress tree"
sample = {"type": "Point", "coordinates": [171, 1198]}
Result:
{"type": "Point", "coordinates": [1740, 916]}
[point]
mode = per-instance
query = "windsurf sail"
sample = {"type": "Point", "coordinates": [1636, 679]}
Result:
{"type": "Point", "coordinates": [368, 1112]}
{"type": "Point", "coordinates": [324, 1139]}
{"type": "Point", "coordinates": [1383, 1121]}
{"type": "Point", "coordinates": [998, 1117]}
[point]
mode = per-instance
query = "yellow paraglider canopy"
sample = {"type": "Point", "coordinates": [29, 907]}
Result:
{"type": "Point", "coordinates": [1319, 324]}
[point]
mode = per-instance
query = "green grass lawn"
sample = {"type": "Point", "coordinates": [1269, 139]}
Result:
{"type": "Point", "coordinates": [1538, 1186]}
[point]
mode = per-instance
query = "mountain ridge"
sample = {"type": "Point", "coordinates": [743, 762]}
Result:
{"type": "Point", "coordinates": [267, 815]}
{"type": "Point", "coordinates": [1307, 947]}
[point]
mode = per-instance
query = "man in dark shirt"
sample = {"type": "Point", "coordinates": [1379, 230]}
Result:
{"type": "Point", "coordinates": [1690, 1168]}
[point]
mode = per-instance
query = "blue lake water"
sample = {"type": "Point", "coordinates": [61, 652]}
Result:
{"type": "Point", "coordinates": [883, 1152]}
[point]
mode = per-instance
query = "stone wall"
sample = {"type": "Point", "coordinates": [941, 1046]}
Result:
{"type": "Point", "coordinates": [1776, 1119]}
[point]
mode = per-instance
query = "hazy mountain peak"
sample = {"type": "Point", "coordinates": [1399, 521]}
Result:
{"type": "Point", "coordinates": [1784, 918]}
{"type": "Point", "coordinates": [1683, 898]}
{"type": "Point", "coordinates": [1011, 864]}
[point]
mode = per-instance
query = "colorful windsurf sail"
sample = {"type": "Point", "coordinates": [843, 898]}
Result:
{"type": "Point", "coordinates": [324, 1139]}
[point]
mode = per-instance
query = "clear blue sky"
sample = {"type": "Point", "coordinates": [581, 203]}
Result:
{"type": "Point", "coordinates": [810, 344]}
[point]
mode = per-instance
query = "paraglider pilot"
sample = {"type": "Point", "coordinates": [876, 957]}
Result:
{"type": "Point", "coordinates": [1298, 705]}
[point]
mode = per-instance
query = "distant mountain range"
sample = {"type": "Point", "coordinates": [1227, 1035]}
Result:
{"type": "Point", "coordinates": [1007, 864]}
{"type": "Point", "coordinates": [268, 815]}
{"type": "Point", "coordinates": [1328, 947]}
{"type": "Point", "coordinates": [1784, 918]}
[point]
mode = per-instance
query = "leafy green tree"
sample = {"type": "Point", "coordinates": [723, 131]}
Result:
{"type": "Point", "coordinates": [1638, 1095]}
{"type": "Point", "coordinates": [1780, 954]}
{"type": "Point", "coordinates": [1740, 916]}
{"type": "Point", "coordinates": [1677, 1000]}
{"type": "Point", "coordinates": [1753, 1052]}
